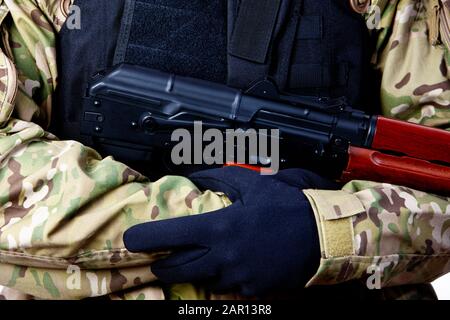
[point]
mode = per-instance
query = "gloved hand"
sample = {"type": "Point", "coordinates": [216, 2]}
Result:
{"type": "Point", "coordinates": [265, 241]}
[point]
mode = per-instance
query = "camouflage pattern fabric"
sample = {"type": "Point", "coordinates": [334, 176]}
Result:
{"type": "Point", "coordinates": [413, 60]}
{"type": "Point", "coordinates": [401, 234]}
{"type": "Point", "coordinates": [63, 209]}
{"type": "Point", "coordinates": [11, 294]}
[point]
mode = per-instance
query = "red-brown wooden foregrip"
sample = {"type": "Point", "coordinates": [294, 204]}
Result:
{"type": "Point", "coordinates": [418, 174]}
{"type": "Point", "coordinates": [414, 140]}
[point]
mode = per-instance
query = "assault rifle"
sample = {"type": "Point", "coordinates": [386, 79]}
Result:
{"type": "Point", "coordinates": [139, 108]}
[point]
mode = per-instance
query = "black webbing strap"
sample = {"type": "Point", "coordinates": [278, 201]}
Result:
{"type": "Point", "coordinates": [258, 32]}
{"type": "Point", "coordinates": [124, 34]}
{"type": "Point", "coordinates": [254, 28]}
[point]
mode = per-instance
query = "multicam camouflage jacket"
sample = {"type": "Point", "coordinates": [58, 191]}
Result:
{"type": "Point", "coordinates": [63, 209]}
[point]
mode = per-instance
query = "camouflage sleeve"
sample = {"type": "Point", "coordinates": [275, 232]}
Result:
{"type": "Point", "coordinates": [63, 211]}
{"type": "Point", "coordinates": [29, 41]}
{"type": "Point", "coordinates": [8, 88]}
{"type": "Point", "coordinates": [413, 58]}
{"type": "Point", "coordinates": [11, 294]}
{"type": "Point", "coordinates": [53, 12]}
{"type": "Point", "coordinates": [388, 234]}
{"type": "Point", "coordinates": [384, 234]}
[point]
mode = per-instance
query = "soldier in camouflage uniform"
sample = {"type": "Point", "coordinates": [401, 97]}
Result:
{"type": "Point", "coordinates": [63, 209]}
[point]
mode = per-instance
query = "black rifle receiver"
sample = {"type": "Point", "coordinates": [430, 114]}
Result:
{"type": "Point", "coordinates": [138, 108]}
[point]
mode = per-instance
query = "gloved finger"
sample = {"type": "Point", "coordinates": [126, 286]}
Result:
{"type": "Point", "coordinates": [167, 234]}
{"type": "Point", "coordinates": [306, 179]}
{"type": "Point", "coordinates": [181, 257]}
{"type": "Point", "coordinates": [198, 270]}
{"type": "Point", "coordinates": [228, 180]}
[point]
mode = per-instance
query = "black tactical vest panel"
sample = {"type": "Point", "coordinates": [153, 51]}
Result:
{"type": "Point", "coordinates": [81, 53]}
{"type": "Point", "coordinates": [176, 36]}
{"type": "Point", "coordinates": [318, 48]}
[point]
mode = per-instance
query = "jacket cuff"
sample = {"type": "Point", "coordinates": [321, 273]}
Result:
{"type": "Point", "coordinates": [333, 211]}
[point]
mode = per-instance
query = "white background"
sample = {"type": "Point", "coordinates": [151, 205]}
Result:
{"type": "Point", "coordinates": [442, 287]}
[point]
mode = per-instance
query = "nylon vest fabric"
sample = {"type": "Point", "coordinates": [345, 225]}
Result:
{"type": "Point", "coordinates": [81, 53]}
{"type": "Point", "coordinates": [176, 36]}
{"type": "Point", "coordinates": [318, 48]}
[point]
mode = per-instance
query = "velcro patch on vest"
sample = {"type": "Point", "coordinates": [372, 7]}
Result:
{"type": "Point", "coordinates": [185, 37]}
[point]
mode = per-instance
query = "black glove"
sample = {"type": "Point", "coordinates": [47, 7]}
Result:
{"type": "Point", "coordinates": [265, 241]}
